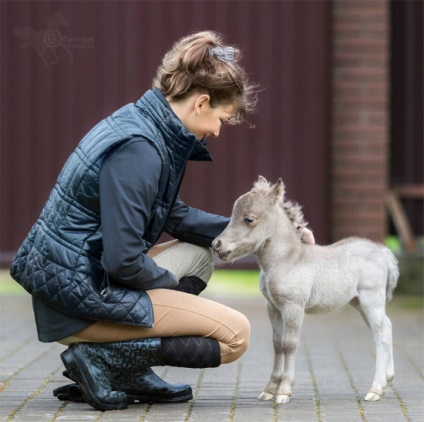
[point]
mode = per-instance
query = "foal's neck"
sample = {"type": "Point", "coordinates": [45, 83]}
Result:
{"type": "Point", "coordinates": [283, 245]}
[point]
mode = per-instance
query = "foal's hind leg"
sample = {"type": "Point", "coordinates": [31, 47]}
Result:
{"type": "Point", "coordinates": [390, 370]}
{"type": "Point", "coordinates": [372, 308]}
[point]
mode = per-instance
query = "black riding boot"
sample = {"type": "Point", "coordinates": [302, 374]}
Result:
{"type": "Point", "coordinates": [141, 385]}
{"type": "Point", "coordinates": [89, 364]}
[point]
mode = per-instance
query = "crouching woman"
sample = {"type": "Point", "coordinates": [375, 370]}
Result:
{"type": "Point", "coordinates": [100, 282]}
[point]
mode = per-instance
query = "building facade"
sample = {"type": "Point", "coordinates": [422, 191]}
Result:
{"type": "Point", "coordinates": [325, 70]}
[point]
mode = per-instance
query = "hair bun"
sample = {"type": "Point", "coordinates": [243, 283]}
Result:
{"type": "Point", "coordinates": [202, 62]}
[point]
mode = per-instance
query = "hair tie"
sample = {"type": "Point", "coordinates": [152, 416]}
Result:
{"type": "Point", "coordinates": [223, 53]}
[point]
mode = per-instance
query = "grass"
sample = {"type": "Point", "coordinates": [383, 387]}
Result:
{"type": "Point", "coordinates": [240, 282]}
{"type": "Point", "coordinates": [394, 243]}
{"type": "Point", "coordinates": [231, 282]}
{"type": "Point", "coordinates": [408, 302]}
{"type": "Point", "coordinates": [8, 285]}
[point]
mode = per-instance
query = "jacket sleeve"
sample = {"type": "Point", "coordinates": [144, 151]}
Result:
{"type": "Point", "coordinates": [193, 225]}
{"type": "Point", "coordinates": [128, 186]}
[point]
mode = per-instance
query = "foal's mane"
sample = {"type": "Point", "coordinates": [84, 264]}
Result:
{"type": "Point", "coordinates": [294, 212]}
{"type": "Point", "coordinates": [292, 209]}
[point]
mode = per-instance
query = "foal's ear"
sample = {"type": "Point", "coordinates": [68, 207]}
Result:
{"type": "Point", "coordinates": [261, 183]}
{"type": "Point", "coordinates": [262, 179]}
{"type": "Point", "coordinates": [278, 191]}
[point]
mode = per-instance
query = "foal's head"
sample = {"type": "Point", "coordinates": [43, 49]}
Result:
{"type": "Point", "coordinates": [255, 218]}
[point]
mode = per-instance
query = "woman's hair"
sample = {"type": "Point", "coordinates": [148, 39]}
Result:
{"type": "Point", "coordinates": [203, 63]}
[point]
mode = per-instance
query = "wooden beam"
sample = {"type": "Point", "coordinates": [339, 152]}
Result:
{"type": "Point", "coordinates": [400, 220]}
{"type": "Point", "coordinates": [412, 191]}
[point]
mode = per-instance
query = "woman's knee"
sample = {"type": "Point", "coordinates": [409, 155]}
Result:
{"type": "Point", "coordinates": [203, 263]}
{"type": "Point", "coordinates": [185, 259]}
{"type": "Point", "coordinates": [239, 343]}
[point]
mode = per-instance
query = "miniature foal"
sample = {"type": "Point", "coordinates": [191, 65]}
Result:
{"type": "Point", "coordinates": [297, 277]}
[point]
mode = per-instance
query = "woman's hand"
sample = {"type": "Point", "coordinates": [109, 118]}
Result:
{"type": "Point", "coordinates": [307, 236]}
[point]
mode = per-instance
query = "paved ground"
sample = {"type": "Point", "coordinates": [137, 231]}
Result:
{"type": "Point", "coordinates": [335, 367]}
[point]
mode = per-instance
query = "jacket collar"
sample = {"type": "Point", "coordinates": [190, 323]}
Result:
{"type": "Point", "coordinates": [176, 136]}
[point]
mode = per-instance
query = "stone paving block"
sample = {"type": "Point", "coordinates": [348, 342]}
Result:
{"type": "Point", "coordinates": [334, 370]}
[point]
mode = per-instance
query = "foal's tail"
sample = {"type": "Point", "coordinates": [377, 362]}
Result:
{"type": "Point", "coordinates": [392, 272]}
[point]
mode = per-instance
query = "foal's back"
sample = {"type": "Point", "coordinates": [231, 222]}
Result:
{"type": "Point", "coordinates": [336, 273]}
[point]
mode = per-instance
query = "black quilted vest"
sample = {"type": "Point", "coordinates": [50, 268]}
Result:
{"type": "Point", "coordinates": [59, 261]}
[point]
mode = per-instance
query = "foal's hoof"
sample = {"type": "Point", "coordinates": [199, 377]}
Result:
{"type": "Point", "coordinates": [372, 396]}
{"type": "Point", "coordinates": [282, 398]}
{"type": "Point", "coordinates": [279, 398]}
{"type": "Point", "coordinates": [265, 396]}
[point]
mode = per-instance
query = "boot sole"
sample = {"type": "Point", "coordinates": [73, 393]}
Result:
{"type": "Point", "coordinates": [146, 399]}
{"type": "Point", "coordinates": [70, 360]}
{"type": "Point", "coordinates": [63, 393]}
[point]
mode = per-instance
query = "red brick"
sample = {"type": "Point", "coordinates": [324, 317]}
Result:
{"type": "Point", "coordinates": [359, 30]}
{"type": "Point", "coordinates": [358, 117]}
{"type": "Point", "coordinates": [359, 133]}
{"type": "Point", "coordinates": [361, 138]}
{"type": "Point", "coordinates": [356, 60]}
{"type": "Point", "coordinates": [364, 18]}
{"type": "Point", "coordinates": [344, 146]}
{"type": "Point", "coordinates": [354, 5]}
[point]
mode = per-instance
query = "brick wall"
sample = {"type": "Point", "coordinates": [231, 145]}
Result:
{"type": "Point", "coordinates": [359, 118]}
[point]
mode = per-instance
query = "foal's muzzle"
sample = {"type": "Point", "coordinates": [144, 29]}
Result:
{"type": "Point", "coordinates": [217, 249]}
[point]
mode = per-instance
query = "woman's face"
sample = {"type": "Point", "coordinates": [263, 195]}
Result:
{"type": "Point", "coordinates": [209, 121]}
{"type": "Point", "coordinates": [205, 121]}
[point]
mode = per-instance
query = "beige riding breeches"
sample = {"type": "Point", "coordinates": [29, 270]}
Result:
{"type": "Point", "coordinates": [180, 314]}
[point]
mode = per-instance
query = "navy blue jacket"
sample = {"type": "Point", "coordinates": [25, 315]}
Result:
{"type": "Point", "coordinates": [62, 261]}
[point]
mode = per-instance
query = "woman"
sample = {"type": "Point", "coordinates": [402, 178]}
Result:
{"type": "Point", "coordinates": [100, 285]}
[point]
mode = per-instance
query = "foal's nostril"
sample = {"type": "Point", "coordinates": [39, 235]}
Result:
{"type": "Point", "coordinates": [223, 255]}
{"type": "Point", "coordinates": [217, 244]}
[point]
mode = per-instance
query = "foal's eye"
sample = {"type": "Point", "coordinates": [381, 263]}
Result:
{"type": "Point", "coordinates": [249, 221]}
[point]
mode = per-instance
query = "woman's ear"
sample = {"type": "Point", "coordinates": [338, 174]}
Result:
{"type": "Point", "coordinates": [201, 101]}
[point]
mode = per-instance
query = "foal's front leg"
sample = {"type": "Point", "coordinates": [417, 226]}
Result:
{"type": "Point", "coordinates": [292, 315]}
{"type": "Point", "coordinates": [271, 388]}
{"type": "Point", "coordinates": [290, 318]}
